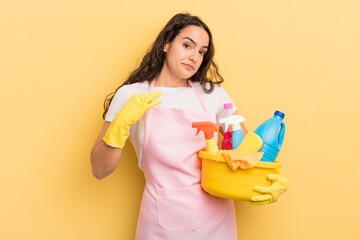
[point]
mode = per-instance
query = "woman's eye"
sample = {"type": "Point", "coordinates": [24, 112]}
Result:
{"type": "Point", "coordinates": [202, 53]}
{"type": "Point", "coordinates": [186, 45]}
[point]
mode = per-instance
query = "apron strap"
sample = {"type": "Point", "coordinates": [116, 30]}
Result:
{"type": "Point", "coordinates": [198, 94]}
{"type": "Point", "coordinates": [201, 99]}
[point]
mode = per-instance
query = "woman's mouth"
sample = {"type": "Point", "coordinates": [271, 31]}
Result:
{"type": "Point", "coordinates": [188, 66]}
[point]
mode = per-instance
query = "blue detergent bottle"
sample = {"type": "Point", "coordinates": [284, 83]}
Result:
{"type": "Point", "coordinates": [272, 133]}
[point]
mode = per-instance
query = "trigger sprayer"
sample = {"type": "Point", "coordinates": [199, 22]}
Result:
{"type": "Point", "coordinates": [208, 128]}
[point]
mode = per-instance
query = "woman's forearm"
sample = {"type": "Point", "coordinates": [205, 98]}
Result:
{"type": "Point", "coordinates": [104, 159]}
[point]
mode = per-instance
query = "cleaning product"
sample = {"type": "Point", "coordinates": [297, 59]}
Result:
{"type": "Point", "coordinates": [237, 133]}
{"type": "Point", "coordinates": [208, 128]}
{"type": "Point", "coordinates": [226, 143]}
{"type": "Point", "coordinates": [272, 133]}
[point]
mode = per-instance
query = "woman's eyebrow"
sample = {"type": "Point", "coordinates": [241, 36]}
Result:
{"type": "Point", "coordinates": [193, 41]}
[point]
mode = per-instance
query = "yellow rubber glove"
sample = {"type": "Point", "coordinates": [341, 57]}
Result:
{"type": "Point", "coordinates": [272, 193]}
{"type": "Point", "coordinates": [132, 111]}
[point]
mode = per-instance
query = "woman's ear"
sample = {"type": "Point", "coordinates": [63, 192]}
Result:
{"type": "Point", "coordinates": [166, 46]}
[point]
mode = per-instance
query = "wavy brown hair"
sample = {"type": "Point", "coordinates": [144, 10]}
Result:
{"type": "Point", "coordinates": [153, 60]}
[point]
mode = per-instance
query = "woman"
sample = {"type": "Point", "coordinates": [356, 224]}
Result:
{"type": "Point", "coordinates": [175, 70]}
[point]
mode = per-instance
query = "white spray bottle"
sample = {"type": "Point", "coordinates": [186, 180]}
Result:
{"type": "Point", "coordinates": [237, 134]}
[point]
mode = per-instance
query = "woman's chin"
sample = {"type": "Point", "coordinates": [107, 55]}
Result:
{"type": "Point", "coordinates": [187, 76]}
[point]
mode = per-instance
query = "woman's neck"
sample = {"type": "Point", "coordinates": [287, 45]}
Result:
{"type": "Point", "coordinates": [165, 79]}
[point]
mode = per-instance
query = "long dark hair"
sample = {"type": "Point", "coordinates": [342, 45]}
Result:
{"type": "Point", "coordinates": [153, 60]}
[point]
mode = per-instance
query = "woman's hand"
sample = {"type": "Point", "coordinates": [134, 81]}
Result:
{"type": "Point", "coordinates": [132, 111]}
{"type": "Point", "coordinates": [272, 193]}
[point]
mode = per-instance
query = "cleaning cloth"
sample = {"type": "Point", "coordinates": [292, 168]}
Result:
{"type": "Point", "coordinates": [238, 159]}
{"type": "Point", "coordinates": [247, 155]}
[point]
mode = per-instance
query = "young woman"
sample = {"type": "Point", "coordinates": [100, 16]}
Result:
{"type": "Point", "coordinates": [176, 72]}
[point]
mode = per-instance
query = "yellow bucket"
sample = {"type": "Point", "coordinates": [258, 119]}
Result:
{"type": "Point", "coordinates": [218, 179]}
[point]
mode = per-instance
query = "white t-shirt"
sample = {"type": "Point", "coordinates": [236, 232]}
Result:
{"type": "Point", "coordinates": [180, 98]}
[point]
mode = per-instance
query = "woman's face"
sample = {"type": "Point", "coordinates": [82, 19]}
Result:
{"type": "Point", "coordinates": [185, 53]}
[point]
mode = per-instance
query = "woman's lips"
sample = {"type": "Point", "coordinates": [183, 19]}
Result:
{"type": "Point", "coordinates": [189, 66]}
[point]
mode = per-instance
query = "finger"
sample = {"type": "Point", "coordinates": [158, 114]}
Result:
{"type": "Point", "coordinates": [153, 104]}
{"type": "Point", "coordinates": [262, 189]}
{"type": "Point", "coordinates": [266, 197]}
{"type": "Point", "coordinates": [260, 203]}
{"type": "Point", "coordinates": [151, 96]}
{"type": "Point", "coordinates": [273, 177]}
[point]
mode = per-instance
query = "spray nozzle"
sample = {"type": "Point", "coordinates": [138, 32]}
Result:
{"type": "Point", "coordinates": [207, 127]}
{"type": "Point", "coordinates": [233, 120]}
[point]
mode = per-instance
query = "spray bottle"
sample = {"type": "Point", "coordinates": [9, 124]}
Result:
{"type": "Point", "coordinates": [237, 133]}
{"type": "Point", "coordinates": [208, 128]}
{"type": "Point", "coordinates": [226, 143]}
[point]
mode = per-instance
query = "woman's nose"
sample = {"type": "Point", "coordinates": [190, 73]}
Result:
{"type": "Point", "coordinates": [194, 56]}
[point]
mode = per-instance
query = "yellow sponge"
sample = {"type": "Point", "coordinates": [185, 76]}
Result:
{"type": "Point", "coordinates": [251, 143]}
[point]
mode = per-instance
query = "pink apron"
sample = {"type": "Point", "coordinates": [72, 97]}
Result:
{"type": "Point", "coordinates": [174, 206]}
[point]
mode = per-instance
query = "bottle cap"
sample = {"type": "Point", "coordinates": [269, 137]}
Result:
{"type": "Point", "coordinates": [228, 106]}
{"type": "Point", "coordinates": [280, 114]}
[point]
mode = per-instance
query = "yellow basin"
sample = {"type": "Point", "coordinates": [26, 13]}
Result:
{"type": "Point", "coordinates": [218, 179]}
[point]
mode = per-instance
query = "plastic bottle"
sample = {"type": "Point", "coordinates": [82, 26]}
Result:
{"type": "Point", "coordinates": [226, 143]}
{"type": "Point", "coordinates": [272, 133]}
{"type": "Point", "coordinates": [208, 128]}
{"type": "Point", "coordinates": [237, 133]}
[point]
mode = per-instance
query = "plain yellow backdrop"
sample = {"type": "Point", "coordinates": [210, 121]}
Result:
{"type": "Point", "coordinates": [59, 59]}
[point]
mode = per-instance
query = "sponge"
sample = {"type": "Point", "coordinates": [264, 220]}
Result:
{"type": "Point", "coordinates": [251, 143]}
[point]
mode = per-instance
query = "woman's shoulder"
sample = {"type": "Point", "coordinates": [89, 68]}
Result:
{"type": "Point", "coordinates": [144, 84]}
{"type": "Point", "coordinates": [138, 87]}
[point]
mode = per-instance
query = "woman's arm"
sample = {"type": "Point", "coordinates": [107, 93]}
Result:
{"type": "Point", "coordinates": [104, 158]}
{"type": "Point", "coordinates": [108, 147]}
{"type": "Point", "coordinates": [243, 128]}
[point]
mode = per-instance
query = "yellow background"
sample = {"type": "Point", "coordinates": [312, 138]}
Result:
{"type": "Point", "coordinates": [59, 59]}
